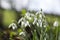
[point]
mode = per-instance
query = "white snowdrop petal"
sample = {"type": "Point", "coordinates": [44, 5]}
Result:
{"type": "Point", "coordinates": [22, 33]}
{"type": "Point", "coordinates": [13, 28]}
{"type": "Point", "coordinates": [25, 24]}
{"type": "Point", "coordinates": [41, 24]}
{"type": "Point", "coordinates": [55, 23]}
{"type": "Point", "coordinates": [20, 20]}
{"type": "Point", "coordinates": [39, 21]}
{"type": "Point", "coordinates": [22, 23]}
{"type": "Point", "coordinates": [37, 24]}
{"type": "Point", "coordinates": [10, 25]}
{"type": "Point", "coordinates": [30, 18]}
{"type": "Point", "coordinates": [34, 22]}
{"type": "Point", "coordinates": [40, 16]}
{"type": "Point", "coordinates": [44, 25]}
{"type": "Point", "coordinates": [44, 38]}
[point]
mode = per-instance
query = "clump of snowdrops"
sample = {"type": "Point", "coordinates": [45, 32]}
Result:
{"type": "Point", "coordinates": [32, 26]}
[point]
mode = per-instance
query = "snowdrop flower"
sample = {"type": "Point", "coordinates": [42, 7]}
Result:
{"type": "Point", "coordinates": [44, 26]}
{"type": "Point", "coordinates": [35, 20]}
{"type": "Point", "coordinates": [21, 20]}
{"type": "Point", "coordinates": [39, 12]}
{"type": "Point", "coordinates": [22, 23]}
{"type": "Point", "coordinates": [55, 24]}
{"type": "Point", "coordinates": [40, 16]}
{"type": "Point", "coordinates": [29, 15]}
{"type": "Point", "coordinates": [27, 24]}
{"type": "Point", "coordinates": [40, 22]}
{"type": "Point", "coordinates": [22, 34]}
{"type": "Point", "coordinates": [13, 25]}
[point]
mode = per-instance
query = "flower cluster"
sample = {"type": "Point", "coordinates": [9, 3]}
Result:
{"type": "Point", "coordinates": [37, 19]}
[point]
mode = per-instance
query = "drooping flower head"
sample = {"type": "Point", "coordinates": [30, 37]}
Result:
{"type": "Point", "coordinates": [13, 26]}
{"type": "Point", "coordinates": [23, 22]}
